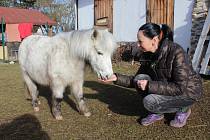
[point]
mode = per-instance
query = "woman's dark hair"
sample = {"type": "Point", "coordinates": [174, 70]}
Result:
{"type": "Point", "coordinates": [151, 30]}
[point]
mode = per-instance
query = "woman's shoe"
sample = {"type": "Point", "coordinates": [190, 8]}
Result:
{"type": "Point", "coordinates": [180, 119]}
{"type": "Point", "coordinates": [151, 119]}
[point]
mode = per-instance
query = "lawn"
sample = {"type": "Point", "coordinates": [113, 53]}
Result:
{"type": "Point", "coordinates": [116, 112]}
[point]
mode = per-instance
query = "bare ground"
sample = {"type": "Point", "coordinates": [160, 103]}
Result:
{"type": "Point", "coordinates": [116, 112]}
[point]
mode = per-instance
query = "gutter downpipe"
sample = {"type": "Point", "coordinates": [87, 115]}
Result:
{"type": "Point", "coordinates": [3, 41]}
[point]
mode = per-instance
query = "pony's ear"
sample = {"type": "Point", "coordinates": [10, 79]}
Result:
{"type": "Point", "coordinates": [95, 34]}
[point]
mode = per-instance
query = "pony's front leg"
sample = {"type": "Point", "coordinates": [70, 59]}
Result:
{"type": "Point", "coordinates": [77, 91]}
{"type": "Point", "coordinates": [57, 89]}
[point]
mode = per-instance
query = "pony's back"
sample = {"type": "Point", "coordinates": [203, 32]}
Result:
{"type": "Point", "coordinates": [29, 45]}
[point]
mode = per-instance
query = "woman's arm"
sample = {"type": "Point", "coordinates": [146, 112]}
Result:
{"type": "Point", "coordinates": [120, 79]}
{"type": "Point", "coordinates": [124, 80]}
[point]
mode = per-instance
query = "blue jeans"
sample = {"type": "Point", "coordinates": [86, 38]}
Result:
{"type": "Point", "coordinates": [156, 103]}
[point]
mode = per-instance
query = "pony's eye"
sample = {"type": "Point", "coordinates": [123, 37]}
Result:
{"type": "Point", "coordinates": [100, 53]}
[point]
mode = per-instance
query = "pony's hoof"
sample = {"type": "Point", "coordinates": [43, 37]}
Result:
{"type": "Point", "coordinates": [59, 117]}
{"type": "Point", "coordinates": [87, 114]}
{"type": "Point", "coordinates": [36, 109]}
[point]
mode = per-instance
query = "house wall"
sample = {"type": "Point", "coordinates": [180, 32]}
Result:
{"type": "Point", "coordinates": [183, 22]}
{"type": "Point", "coordinates": [129, 16]}
{"type": "Point", "coordinates": [85, 14]}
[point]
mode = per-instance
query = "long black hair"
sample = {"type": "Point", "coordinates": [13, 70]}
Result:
{"type": "Point", "coordinates": [151, 30]}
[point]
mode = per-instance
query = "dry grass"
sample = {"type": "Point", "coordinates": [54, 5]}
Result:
{"type": "Point", "coordinates": [115, 113]}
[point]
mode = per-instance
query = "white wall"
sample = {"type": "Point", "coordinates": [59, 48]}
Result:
{"type": "Point", "coordinates": [183, 22]}
{"type": "Point", "coordinates": [128, 16]}
{"type": "Point", "coordinates": [85, 14]}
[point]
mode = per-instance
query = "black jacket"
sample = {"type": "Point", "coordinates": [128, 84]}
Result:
{"type": "Point", "coordinates": [171, 71]}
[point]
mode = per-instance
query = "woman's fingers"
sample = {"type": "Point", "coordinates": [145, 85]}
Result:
{"type": "Point", "coordinates": [110, 79]}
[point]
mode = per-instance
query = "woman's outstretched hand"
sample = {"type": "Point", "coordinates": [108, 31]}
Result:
{"type": "Point", "coordinates": [112, 78]}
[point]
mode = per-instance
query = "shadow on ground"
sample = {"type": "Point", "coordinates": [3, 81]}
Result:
{"type": "Point", "coordinates": [25, 127]}
{"type": "Point", "coordinates": [120, 100]}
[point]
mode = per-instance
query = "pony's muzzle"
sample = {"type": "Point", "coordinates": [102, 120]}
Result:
{"type": "Point", "coordinates": [103, 77]}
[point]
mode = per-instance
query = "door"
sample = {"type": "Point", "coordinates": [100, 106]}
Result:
{"type": "Point", "coordinates": [103, 14]}
{"type": "Point", "coordinates": [161, 12]}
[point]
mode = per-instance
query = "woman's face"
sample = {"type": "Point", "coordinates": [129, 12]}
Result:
{"type": "Point", "coordinates": [147, 44]}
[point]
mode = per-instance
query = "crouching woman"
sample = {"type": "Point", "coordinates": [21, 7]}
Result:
{"type": "Point", "coordinates": [165, 79]}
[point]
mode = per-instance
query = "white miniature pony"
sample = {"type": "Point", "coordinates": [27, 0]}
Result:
{"type": "Point", "coordinates": [59, 62]}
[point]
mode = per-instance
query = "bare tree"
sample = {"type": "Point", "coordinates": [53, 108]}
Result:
{"type": "Point", "coordinates": [7, 3]}
{"type": "Point", "coordinates": [61, 11]}
{"type": "Point", "coordinates": [18, 3]}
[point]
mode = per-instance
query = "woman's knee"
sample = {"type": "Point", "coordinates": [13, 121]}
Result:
{"type": "Point", "coordinates": [151, 103]}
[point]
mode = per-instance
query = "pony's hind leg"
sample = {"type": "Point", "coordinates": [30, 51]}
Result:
{"type": "Point", "coordinates": [76, 89]}
{"type": "Point", "coordinates": [32, 91]}
{"type": "Point", "coordinates": [57, 89]}
{"type": "Point", "coordinates": [29, 97]}
{"type": "Point", "coordinates": [28, 94]}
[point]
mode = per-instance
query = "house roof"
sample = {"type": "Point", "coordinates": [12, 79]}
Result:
{"type": "Point", "coordinates": [16, 15]}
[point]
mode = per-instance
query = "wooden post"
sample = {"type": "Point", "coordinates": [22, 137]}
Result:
{"type": "Point", "coordinates": [50, 31]}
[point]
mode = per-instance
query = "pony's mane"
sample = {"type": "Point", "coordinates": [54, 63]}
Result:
{"type": "Point", "coordinates": [81, 41]}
